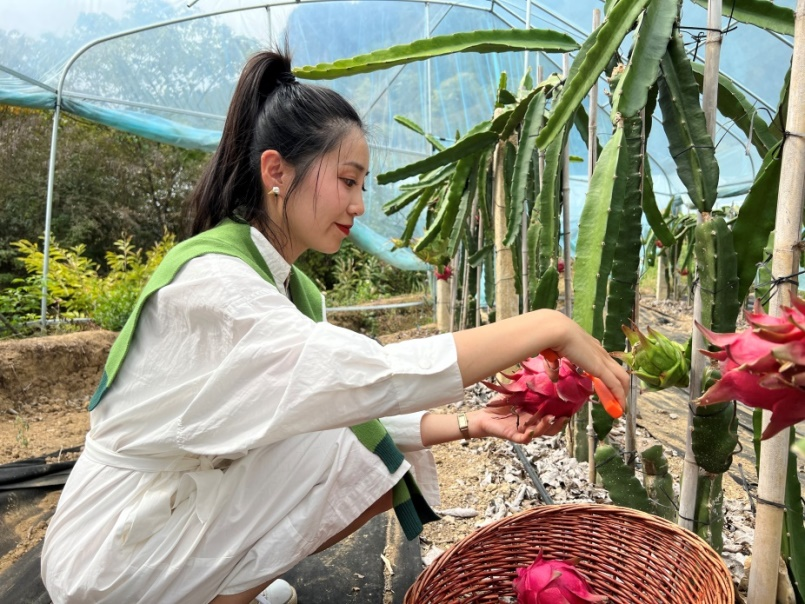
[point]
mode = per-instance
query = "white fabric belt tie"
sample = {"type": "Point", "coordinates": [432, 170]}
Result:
{"type": "Point", "coordinates": [150, 508]}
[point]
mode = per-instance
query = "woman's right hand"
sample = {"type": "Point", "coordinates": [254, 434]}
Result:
{"type": "Point", "coordinates": [584, 351]}
{"type": "Point", "coordinates": [485, 350]}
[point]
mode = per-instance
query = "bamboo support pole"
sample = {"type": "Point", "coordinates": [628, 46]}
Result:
{"type": "Point", "coordinates": [674, 275]}
{"type": "Point", "coordinates": [443, 305]}
{"type": "Point", "coordinates": [524, 227]}
{"type": "Point", "coordinates": [465, 288]}
{"type": "Point", "coordinates": [578, 439]}
{"type": "Point", "coordinates": [774, 451]}
{"type": "Point", "coordinates": [566, 236]}
{"type": "Point", "coordinates": [661, 292]}
{"type": "Point", "coordinates": [455, 262]}
{"type": "Point", "coordinates": [465, 294]}
{"type": "Point", "coordinates": [479, 275]}
{"type": "Point", "coordinates": [506, 301]}
{"type": "Point", "coordinates": [592, 158]}
{"type": "Point", "coordinates": [691, 470]}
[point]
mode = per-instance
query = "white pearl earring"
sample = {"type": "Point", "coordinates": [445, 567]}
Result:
{"type": "Point", "coordinates": [275, 190]}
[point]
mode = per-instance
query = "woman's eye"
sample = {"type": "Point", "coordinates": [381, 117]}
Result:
{"type": "Point", "coordinates": [349, 182]}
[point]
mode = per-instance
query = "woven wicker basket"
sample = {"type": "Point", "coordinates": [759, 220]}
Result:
{"type": "Point", "coordinates": [630, 556]}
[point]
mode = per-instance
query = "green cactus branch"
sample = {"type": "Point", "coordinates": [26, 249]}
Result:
{"type": "Point", "coordinates": [455, 233]}
{"type": "Point", "coordinates": [761, 13]}
{"type": "Point", "coordinates": [710, 510]}
{"type": "Point", "coordinates": [659, 483]}
{"type": "Point", "coordinates": [589, 63]}
{"type": "Point", "coordinates": [468, 145]}
{"type": "Point", "coordinates": [581, 122]}
{"type": "Point", "coordinates": [411, 125]}
{"type": "Point", "coordinates": [448, 207]}
{"type": "Point", "coordinates": [546, 209]}
{"type": "Point", "coordinates": [539, 40]}
{"type": "Point", "coordinates": [619, 479]}
{"type": "Point", "coordinates": [651, 41]}
{"type": "Point", "coordinates": [532, 122]}
{"type": "Point", "coordinates": [626, 260]}
{"type": "Point", "coordinates": [653, 215]}
{"type": "Point", "coordinates": [734, 105]}
{"type": "Point", "coordinates": [793, 545]}
{"type": "Point", "coordinates": [683, 121]}
{"type": "Point", "coordinates": [715, 436]}
{"type": "Point", "coordinates": [598, 232]}
{"type": "Point", "coordinates": [413, 216]}
{"type": "Point", "coordinates": [756, 220]}
{"type": "Point", "coordinates": [718, 275]}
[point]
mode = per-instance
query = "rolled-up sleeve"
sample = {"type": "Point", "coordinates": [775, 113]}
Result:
{"type": "Point", "coordinates": [406, 430]}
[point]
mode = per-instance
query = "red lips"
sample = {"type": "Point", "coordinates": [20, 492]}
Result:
{"type": "Point", "coordinates": [344, 228]}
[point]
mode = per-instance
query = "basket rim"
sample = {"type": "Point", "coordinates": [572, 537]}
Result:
{"type": "Point", "coordinates": [656, 522]}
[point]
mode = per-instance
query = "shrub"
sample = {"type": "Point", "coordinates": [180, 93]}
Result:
{"type": "Point", "coordinates": [75, 286]}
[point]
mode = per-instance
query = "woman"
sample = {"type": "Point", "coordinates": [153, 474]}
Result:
{"type": "Point", "coordinates": [233, 433]}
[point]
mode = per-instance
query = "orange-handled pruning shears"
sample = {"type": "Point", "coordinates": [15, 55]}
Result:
{"type": "Point", "coordinates": [608, 400]}
{"type": "Point", "coordinates": [550, 356]}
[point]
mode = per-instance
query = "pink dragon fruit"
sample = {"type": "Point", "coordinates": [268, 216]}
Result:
{"type": "Point", "coordinates": [553, 582]}
{"type": "Point", "coordinates": [445, 275]}
{"type": "Point", "coordinates": [533, 391]}
{"type": "Point", "coordinates": [763, 366]}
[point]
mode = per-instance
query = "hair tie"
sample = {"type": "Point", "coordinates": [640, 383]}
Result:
{"type": "Point", "coordinates": [287, 78]}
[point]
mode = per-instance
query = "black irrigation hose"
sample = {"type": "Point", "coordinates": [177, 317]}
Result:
{"type": "Point", "coordinates": [532, 474]}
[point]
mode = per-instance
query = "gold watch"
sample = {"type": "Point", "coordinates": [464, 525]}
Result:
{"type": "Point", "coordinates": [464, 425]}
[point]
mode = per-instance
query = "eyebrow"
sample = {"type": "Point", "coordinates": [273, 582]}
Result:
{"type": "Point", "coordinates": [357, 165]}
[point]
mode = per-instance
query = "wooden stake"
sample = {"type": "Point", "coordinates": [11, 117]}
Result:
{"type": "Point", "coordinates": [479, 272]}
{"type": "Point", "coordinates": [566, 239]}
{"type": "Point", "coordinates": [774, 451]}
{"type": "Point", "coordinates": [455, 262]}
{"type": "Point", "coordinates": [465, 287]}
{"type": "Point", "coordinates": [661, 292]}
{"type": "Point", "coordinates": [443, 305]}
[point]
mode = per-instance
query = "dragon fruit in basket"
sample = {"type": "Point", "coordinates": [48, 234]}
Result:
{"type": "Point", "coordinates": [553, 582]}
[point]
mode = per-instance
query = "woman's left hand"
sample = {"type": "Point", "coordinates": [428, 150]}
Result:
{"type": "Point", "coordinates": [503, 422]}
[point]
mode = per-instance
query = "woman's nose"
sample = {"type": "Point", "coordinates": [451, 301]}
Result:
{"type": "Point", "coordinates": [357, 208]}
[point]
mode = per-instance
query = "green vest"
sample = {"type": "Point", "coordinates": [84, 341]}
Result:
{"type": "Point", "coordinates": [231, 238]}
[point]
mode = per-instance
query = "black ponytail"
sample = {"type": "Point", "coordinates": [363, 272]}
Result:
{"type": "Point", "coordinates": [269, 110]}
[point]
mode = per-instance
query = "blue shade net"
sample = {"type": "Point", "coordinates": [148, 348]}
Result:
{"type": "Point", "coordinates": [173, 84]}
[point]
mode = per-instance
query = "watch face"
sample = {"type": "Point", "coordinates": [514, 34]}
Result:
{"type": "Point", "coordinates": [463, 425]}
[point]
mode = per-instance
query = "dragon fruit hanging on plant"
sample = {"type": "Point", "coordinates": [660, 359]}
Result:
{"type": "Point", "coordinates": [659, 362]}
{"type": "Point", "coordinates": [763, 366]}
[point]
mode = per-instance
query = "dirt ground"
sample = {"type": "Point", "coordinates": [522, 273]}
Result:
{"type": "Point", "coordinates": [45, 384]}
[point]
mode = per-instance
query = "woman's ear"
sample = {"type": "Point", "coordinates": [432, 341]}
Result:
{"type": "Point", "coordinates": [274, 171]}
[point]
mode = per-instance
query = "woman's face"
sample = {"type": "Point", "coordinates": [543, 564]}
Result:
{"type": "Point", "coordinates": [324, 206]}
